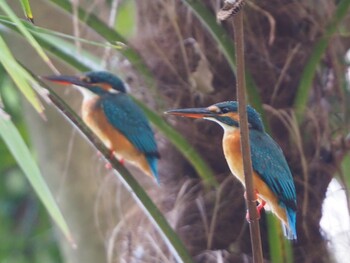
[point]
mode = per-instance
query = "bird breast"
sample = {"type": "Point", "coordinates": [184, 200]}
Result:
{"type": "Point", "coordinates": [95, 119]}
{"type": "Point", "coordinates": [232, 151]}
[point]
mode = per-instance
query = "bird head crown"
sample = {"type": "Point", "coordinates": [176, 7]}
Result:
{"type": "Point", "coordinates": [99, 78]}
{"type": "Point", "coordinates": [98, 82]}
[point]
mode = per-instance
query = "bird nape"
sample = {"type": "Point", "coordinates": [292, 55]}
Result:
{"type": "Point", "coordinates": [115, 118]}
{"type": "Point", "coordinates": [273, 181]}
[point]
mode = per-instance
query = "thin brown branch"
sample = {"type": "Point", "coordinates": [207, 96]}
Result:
{"type": "Point", "coordinates": [245, 147]}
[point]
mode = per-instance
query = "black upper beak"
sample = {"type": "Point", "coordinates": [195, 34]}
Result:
{"type": "Point", "coordinates": [66, 80]}
{"type": "Point", "coordinates": [192, 112]}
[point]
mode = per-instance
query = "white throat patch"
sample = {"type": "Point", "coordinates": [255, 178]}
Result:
{"type": "Point", "coordinates": [87, 94]}
{"type": "Point", "coordinates": [227, 128]}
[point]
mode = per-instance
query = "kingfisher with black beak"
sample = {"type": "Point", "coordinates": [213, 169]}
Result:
{"type": "Point", "coordinates": [115, 118]}
{"type": "Point", "coordinates": [272, 179]}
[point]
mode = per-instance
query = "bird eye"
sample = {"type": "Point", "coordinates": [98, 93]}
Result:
{"type": "Point", "coordinates": [225, 110]}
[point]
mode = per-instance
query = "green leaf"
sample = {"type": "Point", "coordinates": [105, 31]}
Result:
{"type": "Point", "coordinates": [21, 153]}
{"type": "Point", "coordinates": [27, 10]}
{"type": "Point", "coordinates": [19, 76]}
{"type": "Point", "coordinates": [318, 51]}
{"type": "Point", "coordinates": [26, 33]}
{"type": "Point", "coordinates": [126, 19]}
{"type": "Point", "coordinates": [280, 247]}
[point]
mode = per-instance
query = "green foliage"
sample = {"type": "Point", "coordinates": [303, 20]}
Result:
{"type": "Point", "coordinates": [24, 159]}
{"type": "Point", "coordinates": [125, 23]}
{"type": "Point", "coordinates": [27, 10]}
{"type": "Point", "coordinates": [19, 75]}
{"type": "Point", "coordinates": [26, 234]}
{"type": "Point", "coordinates": [319, 50]}
{"type": "Point", "coordinates": [31, 40]}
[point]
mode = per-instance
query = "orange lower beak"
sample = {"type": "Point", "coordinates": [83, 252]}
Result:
{"type": "Point", "coordinates": [66, 80]}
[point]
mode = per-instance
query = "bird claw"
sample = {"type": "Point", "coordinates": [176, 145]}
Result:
{"type": "Point", "coordinates": [259, 207]}
{"type": "Point", "coordinates": [108, 166]}
{"type": "Point", "coordinates": [111, 155]}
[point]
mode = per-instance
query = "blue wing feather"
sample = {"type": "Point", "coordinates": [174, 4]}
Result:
{"type": "Point", "coordinates": [130, 120]}
{"type": "Point", "coordinates": [269, 162]}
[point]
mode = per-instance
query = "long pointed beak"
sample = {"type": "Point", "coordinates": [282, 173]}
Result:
{"type": "Point", "coordinates": [66, 80]}
{"type": "Point", "coordinates": [192, 112]}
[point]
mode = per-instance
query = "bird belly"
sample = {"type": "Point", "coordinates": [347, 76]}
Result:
{"type": "Point", "coordinates": [233, 155]}
{"type": "Point", "coordinates": [114, 140]}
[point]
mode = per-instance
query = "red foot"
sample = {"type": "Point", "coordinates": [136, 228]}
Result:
{"type": "Point", "coordinates": [258, 208]}
{"type": "Point", "coordinates": [111, 154]}
{"type": "Point", "coordinates": [108, 166]}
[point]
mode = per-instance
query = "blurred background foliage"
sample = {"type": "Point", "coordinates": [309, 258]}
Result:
{"type": "Point", "coordinates": [296, 78]}
{"type": "Point", "coordinates": [26, 232]}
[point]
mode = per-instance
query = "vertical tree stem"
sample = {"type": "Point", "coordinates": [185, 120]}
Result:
{"type": "Point", "coordinates": [244, 131]}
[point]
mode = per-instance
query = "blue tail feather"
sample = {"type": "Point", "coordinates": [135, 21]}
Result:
{"type": "Point", "coordinates": [153, 163]}
{"type": "Point", "coordinates": [290, 231]}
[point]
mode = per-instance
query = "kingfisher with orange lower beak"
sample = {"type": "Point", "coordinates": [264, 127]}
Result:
{"type": "Point", "coordinates": [115, 118]}
{"type": "Point", "coordinates": [272, 179]}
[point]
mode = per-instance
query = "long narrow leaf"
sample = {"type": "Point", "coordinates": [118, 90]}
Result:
{"type": "Point", "coordinates": [280, 248]}
{"type": "Point", "coordinates": [58, 47]}
{"type": "Point", "coordinates": [19, 76]}
{"type": "Point", "coordinates": [27, 10]}
{"type": "Point", "coordinates": [40, 30]}
{"type": "Point", "coordinates": [5, 7]}
{"type": "Point", "coordinates": [309, 71]}
{"type": "Point", "coordinates": [21, 153]}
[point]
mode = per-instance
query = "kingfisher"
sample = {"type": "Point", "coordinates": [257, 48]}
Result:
{"type": "Point", "coordinates": [272, 178]}
{"type": "Point", "coordinates": [115, 118]}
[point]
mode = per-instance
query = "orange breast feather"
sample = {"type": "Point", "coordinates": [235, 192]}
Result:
{"type": "Point", "coordinates": [233, 155]}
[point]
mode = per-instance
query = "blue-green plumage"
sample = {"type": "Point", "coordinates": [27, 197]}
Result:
{"type": "Point", "coordinates": [119, 113]}
{"type": "Point", "coordinates": [129, 119]}
{"type": "Point", "coordinates": [268, 161]}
